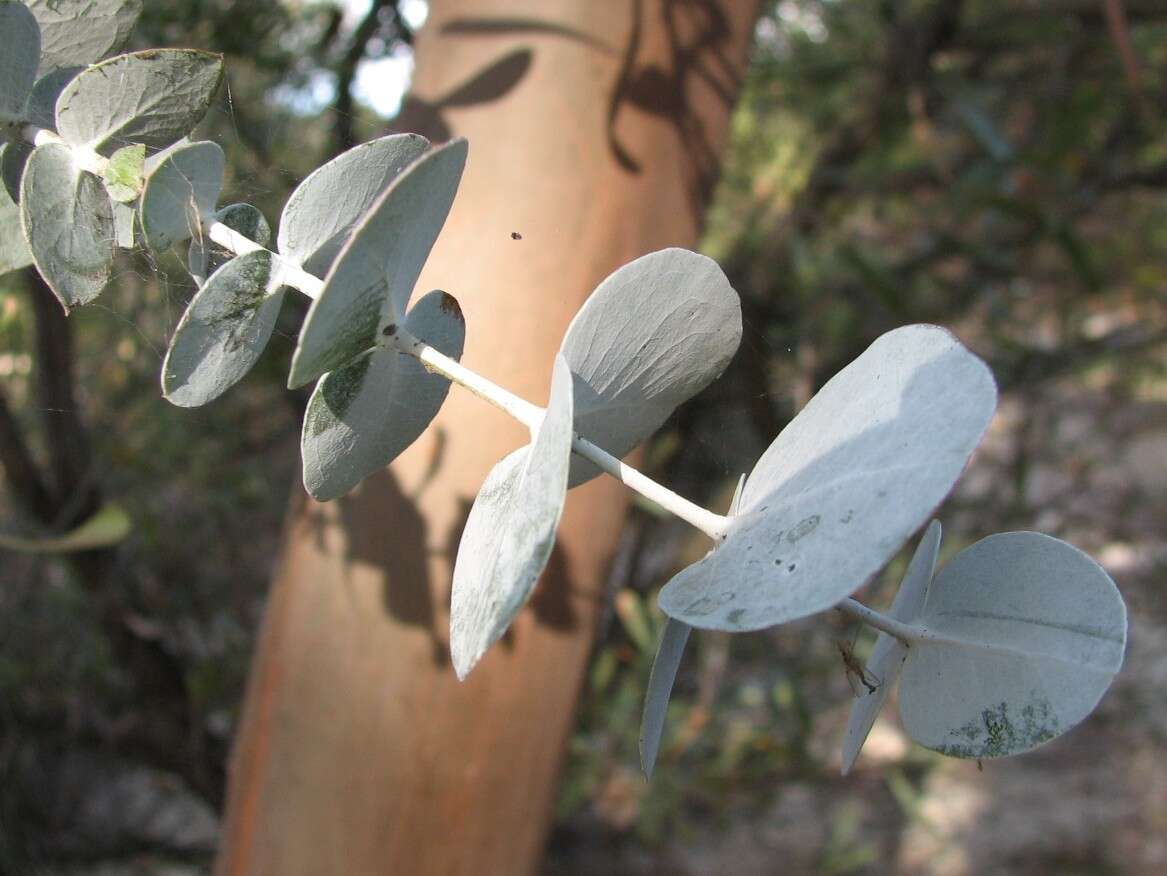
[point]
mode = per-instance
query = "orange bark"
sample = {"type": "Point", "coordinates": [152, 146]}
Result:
{"type": "Point", "coordinates": [594, 130]}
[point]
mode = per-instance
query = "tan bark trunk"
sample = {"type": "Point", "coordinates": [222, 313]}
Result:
{"type": "Point", "coordinates": [594, 137]}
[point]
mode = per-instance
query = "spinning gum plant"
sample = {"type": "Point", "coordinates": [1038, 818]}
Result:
{"type": "Point", "coordinates": [1008, 646]}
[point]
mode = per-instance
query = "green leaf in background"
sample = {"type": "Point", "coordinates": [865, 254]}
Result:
{"type": "Point", "coordinates": [153, 98]}
{"type": "Point", "coordinates": [82, 31]}
{"type": "Point", "coordinates": [106, 528]}
{"type": "Point", "coordinates": [363, 415]}
{"type": "Point", "coordinates": [68, 222]}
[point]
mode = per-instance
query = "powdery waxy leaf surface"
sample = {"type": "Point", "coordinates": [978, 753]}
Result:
{"type": "Point", "coordinates": [204, 256]}
{"type": "Point", "coordinates": [13, 158]}
{"type": "Point", "coordinates": [68, 222]}
{"type": "Point", "coordinates": [42, 103]}
{"type": "Point", "coordinates": [370, 282]}
{"type": "Point", "coordinates": [179, 191]}
{"type": "Point", "coordinates": [82, 31]}
{"type": "Point", "coordinates": [327, 205]}
{"type": "Point", "coordinates": [152, 97]}
{"type": "Point", "coordinates": [363, 415]}
{"type": "Point", "coordinates": [14, 251]}
{"type": "Point", "coordinates": [665, 664]}
{"type": "Point", "coordinates": [888, 654]}
{"type": "Point", "coordinates": [224, 330]}
{"type": "Point", "coordinates": [125, 221]}
{"type": "Point", "coordinates": [652, 335]}
{"type": "Point", "coordinates": [1028, 634]}
{"type": "Point", "coordinates": [844, 485]}
{"type": "Point", "coordinates": [669, 652]}
{"type": "Point", "coordinates": [510, 531]}
{"type": "Point", "coordinates": [20, 49]}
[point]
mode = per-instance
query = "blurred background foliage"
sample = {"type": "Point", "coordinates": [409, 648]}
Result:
{"type": "Point", "coordinates": [998, 168]}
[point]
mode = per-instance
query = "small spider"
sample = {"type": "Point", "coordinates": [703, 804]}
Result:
{"type": "Point", "coordinates": [856, 670]}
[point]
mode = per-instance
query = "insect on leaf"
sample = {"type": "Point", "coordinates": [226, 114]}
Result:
{"type": "Point", "coordinates": [888, 654]}
{"type": "Point", "coordinates": [363, 415]}
{"type": "Point", "coordinates": [371, 280]}
{"type": "Point", "coordinates": [652, 335]}
{"type": "Point", "coordinates": [844, 485]}
{"type": "Point", "coordinates": [1024, 635]}
{"type": "Point", "coordinates": [510, 531]}
{"type": "Point", "coordinates": [123, 173]}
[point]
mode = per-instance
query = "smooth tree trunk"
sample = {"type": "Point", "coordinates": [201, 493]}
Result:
{"type": "Point", "coordinates": [595, 131]}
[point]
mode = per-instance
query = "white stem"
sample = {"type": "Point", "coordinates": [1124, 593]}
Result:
{"type": "Point", "coordinates": [906, 633]}
{"type": "Point", "coordinates": [291, 274]}
{"type": "Point", "coordinates": [713, 525]}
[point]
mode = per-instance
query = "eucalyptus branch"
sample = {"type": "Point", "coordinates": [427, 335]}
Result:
{"type": "Point", "coordinates": [713, 525]}
{"type": "Point", "coordinates": [826, 507]}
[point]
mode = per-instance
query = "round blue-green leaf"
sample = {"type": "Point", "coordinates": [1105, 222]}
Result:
{"type": "Point", "coordinates": [361, 416]}
{"type": "Point", "coordinates": [14, 251]}
{"type": "Point", "coordinates": [82, 31]}
{"type": "Point", "coordinates": [42, 103]}
{"type": "Point", "coordinates": [1024, 635]}
{"type": "Point", "coordinates": [328, 204]}
{"type": "Point", "coordinates": [651, 336]}
{"type": "Point", "coordinates": [20, 50]}
{"type": "Point", "coordinates": [510, 532]}
{"type": "Point", "coordinates": [888, 654]}
{"type": "Point", "coordinates": [224, 330]}
{"type": "Point", "coordinates": [152, 97]}
{"type": "Point", "coordinates": [13, 156]}
{"type": "Point", "coordinates": [843, 486]}
{"type": "Point", "coordinates": [204, 256]}
{"type": "Point", "coordinates": [68, 222]}
{"type": "Point", "coordinates": [369, 284]}
{"type": "Point", "coordinates": [179, 192]}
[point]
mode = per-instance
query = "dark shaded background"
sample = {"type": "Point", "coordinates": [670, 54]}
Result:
{"type": "Point", "coordinates": [996, 168]}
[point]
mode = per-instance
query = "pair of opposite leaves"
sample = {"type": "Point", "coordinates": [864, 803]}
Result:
{"type": "Point", "coordinates": [1019, 636]}
{"type": "Point", "coordinates": [110, 113]}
